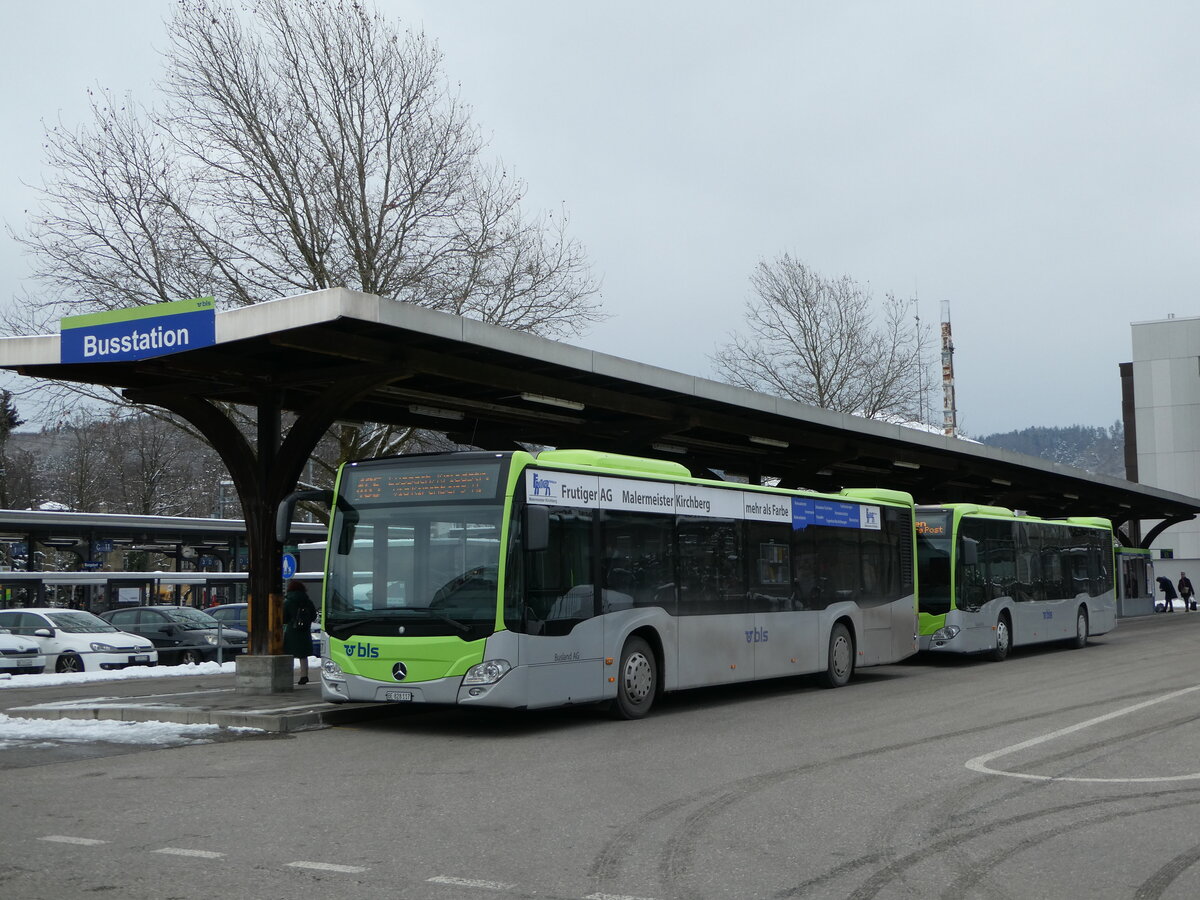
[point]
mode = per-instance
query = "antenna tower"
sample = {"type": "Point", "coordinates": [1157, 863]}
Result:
{"type": "Point", "coordinates": [949, 411]}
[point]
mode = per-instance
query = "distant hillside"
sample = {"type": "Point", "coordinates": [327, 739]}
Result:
{"type": "Point", "coordinates": [1096, 449]}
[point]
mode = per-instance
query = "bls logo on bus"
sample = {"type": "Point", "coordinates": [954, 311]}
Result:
{"type": "Point", "coordinates": [362, 651]}
{"type": "Point", "coordinates": [757, 636]}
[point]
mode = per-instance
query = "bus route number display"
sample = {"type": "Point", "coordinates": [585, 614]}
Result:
{"type": "Point", "coordinates": [424, 485]}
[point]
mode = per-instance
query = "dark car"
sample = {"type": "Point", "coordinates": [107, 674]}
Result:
{"type": "Point", "coordinates": [181, 634]}
{"type": "Point", "coordinates": [234, 615]}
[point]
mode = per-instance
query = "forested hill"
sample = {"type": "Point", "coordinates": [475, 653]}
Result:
{"type": "Point", "coordinates": [1097, 449]}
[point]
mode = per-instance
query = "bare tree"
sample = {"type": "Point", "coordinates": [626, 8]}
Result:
{"type": "Point", "coordinates": [300, 145]}
{"type": "Point", "coordinates": [818, 341]}
{"type": "Point", "coordinates": [79, 471]}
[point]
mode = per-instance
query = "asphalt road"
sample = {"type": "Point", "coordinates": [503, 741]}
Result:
{"type": "Point", "coordinates": [1055, 774]}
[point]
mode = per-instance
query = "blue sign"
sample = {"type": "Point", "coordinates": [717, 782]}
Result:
{"type": "Point", "coordinates": [104, 546]}
{"type": "Point", "coordinates": [833, 513]}
{"type": "Point", "coordinates": [289, 565]}
{"type": "Point", "coordinates": [139, 332]}
{"type": "Point", "coordinates": [91, 565]}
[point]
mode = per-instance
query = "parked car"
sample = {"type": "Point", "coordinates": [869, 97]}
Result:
{"type": "Point", "coordinates": [20, 655]}
{"type": "Point", "coordinates": [235, 615]}
{"type": "Point", "coordinates": [76, 641]}
{"type": "Point", "coordinates": [181, 634]}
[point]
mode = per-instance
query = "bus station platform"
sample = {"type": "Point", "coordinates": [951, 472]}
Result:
{"type": "Point", "coordinates": [189, 700]}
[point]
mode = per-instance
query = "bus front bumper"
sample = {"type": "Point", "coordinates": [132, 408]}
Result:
{"type": "Point", "coordinates": [509, 691]}
{"type": "Point", "coordinates": [944, 639]}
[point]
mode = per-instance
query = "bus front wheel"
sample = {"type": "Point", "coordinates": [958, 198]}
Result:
{"type": "Point", "coordinates": [637, 680]}
{"type": "Point", "coordinates": [840, 665]}
{"type": "Point", "coordinates": [1003, 639]}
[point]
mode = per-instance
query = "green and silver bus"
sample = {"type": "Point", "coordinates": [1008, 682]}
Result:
{"type": "Point", "coordinates": [513, 580]}
{"type": "Point", "coordinates": [991, 579]}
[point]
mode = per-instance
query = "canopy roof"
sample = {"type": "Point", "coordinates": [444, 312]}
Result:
{"type": "Point", "coordinates": [494, 388]}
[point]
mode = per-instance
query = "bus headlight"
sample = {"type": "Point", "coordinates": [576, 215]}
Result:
{"type": "Point", "coordinates": [946, 634]}
{"type": "Point", "coordinates": [488, 672]}
{"type": "Point", "coordinates": [332, 670]}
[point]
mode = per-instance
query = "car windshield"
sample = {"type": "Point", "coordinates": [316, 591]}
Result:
{"type": "Point", "coordinates": [77, 621]}
{"type": "Point", "coordinates": [190, 618]}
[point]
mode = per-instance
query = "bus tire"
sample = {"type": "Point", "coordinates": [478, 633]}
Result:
{"type": "Point", "coordinates": [839, 666]}
{"type": "Point", "coordinates": [637, 680]}
{"type": "Point", "coordinates": [1003, 645]}
{"type": "Point", "coordinates": [1081, 629]}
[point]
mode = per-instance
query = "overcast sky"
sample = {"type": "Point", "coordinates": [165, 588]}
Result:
{"type": "Point", "coordinates": [1032, 163]}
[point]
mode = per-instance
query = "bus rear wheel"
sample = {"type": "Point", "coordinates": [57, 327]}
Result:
{"type": "Point", "coordinates": [1003, 639]}
{"type": "Point", "coordinates": [1081, 629]}
{"type": "Point", "coordinates": [637, 680]}
{"type": "Point", "coordinates": [840, 665]}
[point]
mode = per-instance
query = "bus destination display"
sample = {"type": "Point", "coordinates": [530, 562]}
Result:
{"type": "Point", "coordinates": [419, 485]}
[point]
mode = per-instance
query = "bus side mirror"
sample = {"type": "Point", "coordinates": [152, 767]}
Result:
{"type": "Point", "coordinates": [283, 515]}
{"type": "Point", "coordinates": [970, 552]}
{"type": "Point", "coordinates": [536, 529]}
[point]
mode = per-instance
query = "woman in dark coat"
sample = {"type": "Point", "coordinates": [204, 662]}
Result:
{"type": "Point", "coordinates": [298, 616]}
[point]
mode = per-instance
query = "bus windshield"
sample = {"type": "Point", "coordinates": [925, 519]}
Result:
{"type": "Point", "coordinates": [414, 570]}
{"type": "Point", "coordinates": [933, 561]}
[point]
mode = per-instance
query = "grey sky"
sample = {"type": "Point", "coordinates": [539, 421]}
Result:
{"type": "Point", "coordinates": [1032, 163]}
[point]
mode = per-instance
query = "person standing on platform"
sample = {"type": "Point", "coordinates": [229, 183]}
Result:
{"type": "Point", "coordinates": [1168, 590]}
{"type": "Point", "coordinates": [1185, 591]}
{"type": "Point", "coordinates": [298, 616]}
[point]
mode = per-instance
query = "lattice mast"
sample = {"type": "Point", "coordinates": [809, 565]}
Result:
{"type": "Point", "coordinates": [949, 411]}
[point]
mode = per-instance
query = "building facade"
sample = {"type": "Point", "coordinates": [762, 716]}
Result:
{"type": "Point", "coordinates": [1162, 428]}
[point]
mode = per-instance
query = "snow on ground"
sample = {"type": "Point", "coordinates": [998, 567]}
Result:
{"type": "Point", "coordinates": [51, 679]}
{"type": "Point", "coordinates": [17, 732]}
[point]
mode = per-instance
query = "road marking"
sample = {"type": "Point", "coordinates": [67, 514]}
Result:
{"type": "Point", "coordinates": [180, 851]}
{"type": "Point", "coordinates": [471, 882]}
{"type": "Point", "coordinates": [327, 867]}
{"type": "Point", "coordinates": [614, 897]}
{"type": "Point", "coordinates": [64, 839]}
{"type": "Point", "coordinates": [980, 763]}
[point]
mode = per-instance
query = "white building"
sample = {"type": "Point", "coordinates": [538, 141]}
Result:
{"type": "Point", "coordinates": [1162, 427]}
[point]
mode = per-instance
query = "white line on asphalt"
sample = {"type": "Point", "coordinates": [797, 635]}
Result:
{"type": "Point", "coordinates": [327, 867]}
{"type": "Point", "coordinates": [471, 882]}
{"type": "Point", "coordinates": [979, 763]}
{"type": "Point", "coordinates": [64, 839]}
{"type": "Point", "coordinates": [614, 897]}
{"type": "Point", "coordinates": [180, 851]}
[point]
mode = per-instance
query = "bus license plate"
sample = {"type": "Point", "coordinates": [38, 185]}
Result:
{"type": "Point", "coordinates": [140, 659]}
{"type": "Point", "coordinates": [402, 696]}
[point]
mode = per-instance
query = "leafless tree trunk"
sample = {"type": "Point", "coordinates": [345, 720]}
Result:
{"type": "Point", "coordinates": [817, 341]}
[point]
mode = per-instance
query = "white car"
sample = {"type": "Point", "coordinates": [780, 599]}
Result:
{"type": "Point", "coordinates": [20, 655]}
{"type": "Point", "coordinates": [77, 641]}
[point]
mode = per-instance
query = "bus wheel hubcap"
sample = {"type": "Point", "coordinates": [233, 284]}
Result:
{"type": "Point", "coordinates": [841, 657]}
{"type": "Point", "coordinates": [638, 678]}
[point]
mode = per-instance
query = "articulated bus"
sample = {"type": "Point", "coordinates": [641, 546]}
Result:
{"type": "Point", "coordinates": [991, 579]}
{"type": "Point", "coordinates": [513, 580]}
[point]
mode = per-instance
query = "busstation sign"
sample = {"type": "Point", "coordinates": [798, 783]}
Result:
{"type": "Point", "coordinates": [140, 332]}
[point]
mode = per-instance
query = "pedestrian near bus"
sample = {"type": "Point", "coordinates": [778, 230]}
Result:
{"type": "Point", "coordinates": [1185, 591]}
{"type": "Point", "coordinates": [1168, 590]}
{"type": "Point", "coordinates": [298, 616]}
